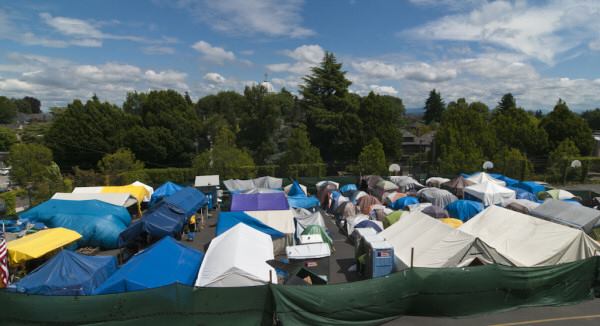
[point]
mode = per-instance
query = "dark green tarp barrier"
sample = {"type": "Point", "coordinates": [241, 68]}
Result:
{"type": "Point", "coordinates": [418, 292]}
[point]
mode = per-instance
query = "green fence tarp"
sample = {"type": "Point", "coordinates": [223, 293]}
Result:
{"type": "Point", "coordinates": [417, 292]}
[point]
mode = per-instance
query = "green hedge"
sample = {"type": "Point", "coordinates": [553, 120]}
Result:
{"type": "Point", "coordinates": [156, 177]}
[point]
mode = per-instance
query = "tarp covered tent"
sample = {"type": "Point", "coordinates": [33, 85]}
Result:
{"type": "Point", "coordinates": [289, 187]}
{"type": "Point", "coordinates": [530, 241]}
{"type": "Point", "coordinates": [435, 211]}
{"type": "Point", "coordinates": [522, 205]}
{"type": "Point", "coordinates": [490, 193]}
{"type": "Point", "coordinates": [507, 180]}
{"type": "Point", "coordinates": [297, 197]}
{"type": "Point", "coordinates": [259, 202]}
{"type": "Point", "coordinates": [531, 186]}
{"type": "Point", "coordinates": [483, 177]}
{"type": "Point", "coordinates": [238, 258]}
{"type": "Point", "coordinates": [166, 218]}
{"type": "Point", "coordinates": [68, 273]}
{"type": "Point", "coordinates": [139, 192]}
{"type": "Point", "coordinates": [464, 209]}
{"type": "Point", "coordinates": [98, 223]}
{"type": "Point", "coordinates": [521, 193]}
{"type": "Point", "coordinates": [348, 189]}
{"type": "Point", "coordinates": [576, 216]}
{"type": "Point", "coordinates": [457, 185]}
{"type": "Point", "coordinates": [38, 244]}
{"type": "Point", "coordinates": [437, 197]}
{"type": "Point", "coordinates": [236, 185]}
{"type": "Point", "coordinates": [436, 244]}
{"type": "Point", "coordinates": [403, 202]}
{"type": "Point", "coordinates": [165, 262]}
{"type": "Point", "coordinates": [436, 181]}
{"type": "Point", "coordinates": [406, 183]}
{"type": "Point", "coordinates": [228, 220]}
{"type": "Point", "coordinates": [165, 190]}
{"type": "Point", "coordinates": [116, 199]}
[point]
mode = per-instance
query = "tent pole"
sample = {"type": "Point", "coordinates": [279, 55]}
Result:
{"type": "Point", "coordinates": [412, 253]}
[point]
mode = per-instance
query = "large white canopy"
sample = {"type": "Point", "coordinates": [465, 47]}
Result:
{"type": "Point", "coordinates": [527, 240]}
{"type": "Point", "coordinates": [238, 258]}
{"type": "Point", "coordinates": [435, 244]}
{"type": "Point", "coordinates": [490, 193]}
{"type": "Point", "coordinates": [118, 199]}
{"type": "Point", "coordinates": [482, 177]}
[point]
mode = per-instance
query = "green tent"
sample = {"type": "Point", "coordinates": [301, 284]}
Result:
{"type": "Point", "coordinates": [392, 218]}
{"type": "Point", "coordinates": [317, 229]}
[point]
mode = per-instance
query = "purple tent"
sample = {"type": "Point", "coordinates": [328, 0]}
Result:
{"type": "Point", "coordinates": [259, 202]}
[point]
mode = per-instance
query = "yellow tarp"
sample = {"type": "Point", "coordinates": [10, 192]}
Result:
{"type": "Point", "coordinates": [453, 222]}
{"type": "Point", "coordinates": [137, 192]}
{"type": "Point", "coordinates": [40, 243]}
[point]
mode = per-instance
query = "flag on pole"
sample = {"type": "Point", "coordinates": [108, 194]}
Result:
{"type": "Point", "coordinates": [3, 262]}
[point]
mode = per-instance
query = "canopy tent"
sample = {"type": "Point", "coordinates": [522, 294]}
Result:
{"type": "Point", "coordinates": [38, 244]}
{"type": "Point", "coordinates": [464, 209]}
{"type": "Point", "coordinates": [451, 222]}
{"type": "Point", "coordinates": [403, 202]}
{"type": "Point", "coordinates": [437, 197]}
{"type": "Point", "coordinates": [365, 203]}
{"type": "Point", "coordinates": [165, 262]}
{"type": "Point", "coordinates": [490, 193]}
{"type": "Point", "coordinates": [529, 241]}
{"type": "Point", "coordinates": [522, 205]}
{"type": "Point", "coordinates": [228, 220]}
{"type": "Point", "coordinates": [435, 211]}
{"type": "Point", "coordinates": [259, 202]}
{"type": "Point", "coordinates": [457, 185]}
{"type": "Point", "coordinates": [483, 177]}
{"type": "Point", "coordinates": [166, 218]}
{"type": "Point", "coordinates": [238, 258]}
{"type": "Point", "coordinates": [392, 218]}
{"type": "Point", "coordinates": [149, 189]}
{"type": "Point", "coordinates": [236, 185]}
{"type": "Point", "coordinates": [68, 273]}
{"type": "Point", "coordinates": [436, 182]}
{"type": "Point", "coordinates": [435, 244]}
{"type": "Point", "coordinates": [165, 190]}
{"type": "Point", "coordinates": [576, 216]}
{"type": "Point", "coordinates": [523, 194]}
{"type": "Point", "coordinates": [294, 189]}
{"type": "Point", "coordinates": [116, 199]}
{"type": "Point", "coordinates": [98, 223]}
{"type": "Point", "coordinates": [406, 183]}
{"type": "Point", "coordinates": [531, 186]}
{"type": "Point", "coordinates": [304, 218]}
{"type": "Point", "coordinates": [555, 194]}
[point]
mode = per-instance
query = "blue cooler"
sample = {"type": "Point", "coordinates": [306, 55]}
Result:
{"type": "Point", "coordinates": [380, 259]}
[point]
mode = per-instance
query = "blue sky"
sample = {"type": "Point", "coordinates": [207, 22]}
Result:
{"type": "Point", "coordinates": [538, 50]}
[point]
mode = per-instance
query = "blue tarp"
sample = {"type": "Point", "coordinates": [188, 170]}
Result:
{"type": "Point", "coordinates": [167, 189]}
{"type": "Point", "coordinates": [464, 209]}
{"type": "Point", "coordinates": [296, 190]}
{"type": "Point", "coordinates": [368, 224]}
{"type": "Point", "coordinates": [298, 199]}
{"type": "Point", "coordinates": [166, 218]}
{"type": "Point", "coordinates": [227, 220]}
{"type": "Point", "coordinates": [259, 202]}
{"type": "Point", "coordinates": [509, 181]}
{"type": "Point", "coordinates": [532, 187]}
{"type": "Point", "coordinates": [99, 223]}
{"type": "Point", "coordinates": [68, 273]}
{"type": "Point", "coordinates": [166, 262]}
{"type": "Point", "coordinates": [401, 203]}
{"type": "Point", "coordinates": [524, 194]}
{"type": "Point", "coordinates": [348, 189]}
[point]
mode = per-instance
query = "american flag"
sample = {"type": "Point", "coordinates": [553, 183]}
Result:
{"type": "Point", "coordinates": [3, 262]}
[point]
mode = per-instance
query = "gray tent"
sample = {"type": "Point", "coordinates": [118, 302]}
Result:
{"type": "Point", "coordinates": [437, 197]}
{"type": "Point", "coordinates": [575, 216]}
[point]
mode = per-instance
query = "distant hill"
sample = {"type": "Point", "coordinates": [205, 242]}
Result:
{"type": "Point", "coordinates": [417, 112]}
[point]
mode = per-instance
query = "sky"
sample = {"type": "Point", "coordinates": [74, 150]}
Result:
{"type": "Point", "coordinates": [539, 51]}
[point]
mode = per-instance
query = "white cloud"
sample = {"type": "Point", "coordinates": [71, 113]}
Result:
{"type": "Point", "coordinates": [420, 71]}
{"type": "Point", "coordinates": [305, 56]}
{"type": "Point", "coordinates": [157, 49]}
{"type": "Point", "coordinates": [594, 45]}
{"type": "Point", "coordinates": [384, 90]}
{"type": "Point", "coordinates": [71, 26]}
{"type": "Point", "coordinates": [273, 18]}
{"type": "Point", "coordinates": [214, 78]}
{"type": "Point", "coordinates": [213, 54]}
{"type": "Point", "coordinates": [540, 31]}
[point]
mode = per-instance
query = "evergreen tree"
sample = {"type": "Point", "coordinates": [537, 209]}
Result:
{"type": "Point", "coordinates": [332, 112]}
{"type": "Point", "coordinates": [299, 151]}
{"type": "Point", "coordinates": [382, 118]}
{"type": "Point", "coordinates": [507, 102]}
{"type": "Point", "coordinates": [372, 159]}
{"type": "Point", "coordinates": [434, 107]}
{"type": "Point", "coordinates": [8, 110]}
{"type": "Point", "coordinates": [562, 124]}
{"type": "Point", "coordinates": [592, 117]}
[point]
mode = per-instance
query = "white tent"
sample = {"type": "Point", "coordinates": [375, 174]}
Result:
{"type": "Point", "coordinates": [527, 240]}
{"type": "Point", "coordinates": [238, 258]}
{"type": "Point", "coordinates": [282, 221]}
{"type": "Point", "coordinates": [118, 199]}
{"type": "Point", "coordinates": [406, 183]}
{"type": "Point", "coordinates": [436, 196]}
{"type": "Point", "coordinates": [482, 177]}
{"type": "Point", "coordinates": [436, 181]}
{"type": "Point", "coordinates": [148, 188]}
{"type": "Point", "coordinates": [435, 244]}
{"type": "Point", "coordinates": [206, 180]}
{"type": "Point", "coordinates": [304, 218]}
{"type": "Point", "coordinates": [490, 193]}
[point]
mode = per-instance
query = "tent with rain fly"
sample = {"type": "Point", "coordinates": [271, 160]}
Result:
{"type": "Point", "coordinates": [165, 190]}
{"type": "Point", "coordinates": [531, 186]}
{"type": "Point", "coordinates": [435, 211]}
{"type": "Point", "coordinates": [436, 244]}
{"type": "Point", "coordinates": [348, 189]}
{"type": "Point", "coordinates": [489, 193]}
{"type": "Point", "coordinates": [368, 224]}
{"type": "Point", "coordinates": [98, 223]}
{"type": "Point", "coordinates": [457, 185]}
{"type": "Point", "coordinates": [464, 209]}
{"type": "Point", "coordinates": [436, 182]}
{"type": "Point", "coordinates": [304, 218]}
{"type": "Point", "coordinates": [166, 218]}
{"type": "Point", "coordinates": [403, 202]}
{"type": "Point", "coordinates": [39, 244]}
{"type": "Point", "coordinates": [392, 218]}
{"type": "Point", "coordinates": [165, 262]}
{"type": "Point", "coordinates": [345, 210]}
{"type": "Point", "coordinates": [530, 241]}
{"type": "Point", "coordinates": [522, 205]}
{"type": "Point", "coordinates": [384, 187]}
{"type": "Point", "coordinates": [406, 183]}
{"type": "Point", "coordinates": [320, 230]}
{"type": "Point", "coordinates": [357, 195]}
{"type": "Point", "coordinates": [365, 203]}
{"type": "Point", "coordinates": [483, 177]}
{"type": "Point", "coordinates": [576, 216]}
{"type": "Point", "coordinates": [259, 202]}
{"type": "Point", "coordinates": [68, 273]}
{"type": "Point", "coordinates": [238, 258]}
{"type": "Point", "coordinates": [437, 197]}
{"type": "Point", "coordinates": [392, 197]}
